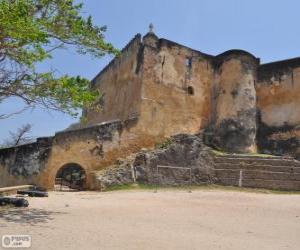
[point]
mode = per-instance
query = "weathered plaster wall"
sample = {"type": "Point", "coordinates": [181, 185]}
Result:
{"type": "Point", "coordinates": [24, 164]}
{"type": "Point", "coordinates": [92, 148]}
{"type": "Point", "coordinates": [176, 89]}
{"type": "Point", "coordinates": [278, 101]}
{"type": "Point", "coordinates": [234, 108]}
{"type": "Point", "coordinates": [120, 86]}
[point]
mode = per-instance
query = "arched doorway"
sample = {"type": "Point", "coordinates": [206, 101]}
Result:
{"type": "Point", "coordinates": [70, 177]}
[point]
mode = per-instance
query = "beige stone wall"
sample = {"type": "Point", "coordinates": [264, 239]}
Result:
{"type": "Point", "coordinates": [236, 91]}
{"type": "Point", "coordinates": [154, 86]}
{"type": "Point", "coordinates": [120, 86]}
{"type": "Point", "coordinates": [7, 179]}
{"type": "Point", "coordinates": [93, 149]}
{"type": "Point", "coordinates": [159, 96]}
{"type": "Point", "coordinates": [167, 107]}
{"type": "Point", "coordinates": [234, 102]}
{"type": "Point", "coordinates": [279, 99]}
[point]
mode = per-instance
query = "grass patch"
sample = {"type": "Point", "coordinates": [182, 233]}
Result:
{"type": "Point", "coordinates": [211, 187]}
{"type": "Point", "coordinates": [164, 144]}
{"type": "Point", "coordinates": [221, 153]}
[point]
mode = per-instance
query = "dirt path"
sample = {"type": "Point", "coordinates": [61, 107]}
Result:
{"type": "Point", "coordinates": [165, 220]}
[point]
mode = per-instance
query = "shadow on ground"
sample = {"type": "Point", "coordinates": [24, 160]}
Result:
{"type": "Point", "coordinates": [30, 216]}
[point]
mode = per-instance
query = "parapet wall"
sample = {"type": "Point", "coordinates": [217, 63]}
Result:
{"type": "Point", "coordinates": [23, 164]}
{"type": "Point", "coordinates": [92, 148]}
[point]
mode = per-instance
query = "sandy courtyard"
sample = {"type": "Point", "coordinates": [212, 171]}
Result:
{"type": "Point", "coordinates": [175, 219]}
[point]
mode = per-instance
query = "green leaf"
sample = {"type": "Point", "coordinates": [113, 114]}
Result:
{"type": "Point", "coordinates": [30, 30]}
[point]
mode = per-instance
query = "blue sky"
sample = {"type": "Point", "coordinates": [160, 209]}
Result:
{"type": "Point", "coordinates": [267, 28]}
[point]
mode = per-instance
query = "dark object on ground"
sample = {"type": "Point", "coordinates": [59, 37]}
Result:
{"type": "Point", "coordinates": [37, 188]}
{"type": "Point", "coordinates": [17, 202]}
{"type": "Point", "coordinates": [33, 193]}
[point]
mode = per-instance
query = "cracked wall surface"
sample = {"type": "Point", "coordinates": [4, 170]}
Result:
{"type": "Point", "coordinates": [167, 106]}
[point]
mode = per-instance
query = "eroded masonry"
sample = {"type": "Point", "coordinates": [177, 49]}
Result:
{"type": "Point", "coordinates": [157, 89]}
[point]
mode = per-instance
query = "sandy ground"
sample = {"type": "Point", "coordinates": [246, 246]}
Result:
{"type": "Point", "coordinates": [138, 219]}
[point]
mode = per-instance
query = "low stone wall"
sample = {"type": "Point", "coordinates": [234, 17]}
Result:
{"type": "Point", "coordinates": [39, 162]}
{"type": "Point", "coordinates": [23, 164]}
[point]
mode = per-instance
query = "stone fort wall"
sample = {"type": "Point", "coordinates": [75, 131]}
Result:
{"type": "Point", "coordinates": [157, 88]}
{"type": "Point", "coordinates": [180, 90]}
{"type": "Point", "coordinates": [120, 85]}
{"type": "Point", "coordinates": [93, 148]}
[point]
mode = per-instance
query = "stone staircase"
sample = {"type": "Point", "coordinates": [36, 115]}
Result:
{"type": "Point", "coordinates": [282, 173]}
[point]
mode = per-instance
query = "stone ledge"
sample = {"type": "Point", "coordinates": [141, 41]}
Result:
{"type": "Point", "coordinates": [14, 189]}
{"type": "Point", "coordinates": [270, 168]}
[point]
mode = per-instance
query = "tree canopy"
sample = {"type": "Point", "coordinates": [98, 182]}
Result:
{"type": "Point", "coordinates": [30, 30]}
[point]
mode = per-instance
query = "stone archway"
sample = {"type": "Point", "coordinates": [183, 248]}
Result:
{"type": "Point", "coordinates": [70, 177]}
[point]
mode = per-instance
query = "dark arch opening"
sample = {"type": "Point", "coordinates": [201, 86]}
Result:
{"type": "Point", "coordinates": [70, 177]}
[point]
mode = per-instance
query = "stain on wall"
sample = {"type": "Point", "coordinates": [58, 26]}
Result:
{"type": "Point", "coordinates": [234, 121]}
{"type": "Point", "coordinates": [93, 148]}
{"type": "Point", "coordinates": [278, 103]}
{"type": "Point", "coordinates": [120, 86]}
{"type": "Point", "coordinates": [23, 164]}
{"type": "Point", "coordinates": [176, 89]}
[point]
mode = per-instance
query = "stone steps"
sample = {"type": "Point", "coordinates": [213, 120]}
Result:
{"type": "Point", "coordinates": [254, 174]}
{"type": "Point", "coordinates": [259, 161]}
{"type": "Point", "coordinates": [287, 169]}
{"type": "Point", "coordinates": [13, 189]}
{"type": "Point", "coordinates": [288, 185]}
{"type": "Point", "coordinates": [258, 172]}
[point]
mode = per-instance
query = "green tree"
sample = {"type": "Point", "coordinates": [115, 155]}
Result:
{"type": "Point", "coordinates": [30, 30]}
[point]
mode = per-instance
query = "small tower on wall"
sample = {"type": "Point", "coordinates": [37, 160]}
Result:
{"type": "Point", "coordinates": [150, 38]}
{"type": "Point", "coordinates": [235, 106]}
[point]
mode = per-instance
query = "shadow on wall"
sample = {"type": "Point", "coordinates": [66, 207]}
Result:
{"type": "Point", "coordinates": [277, 140]}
